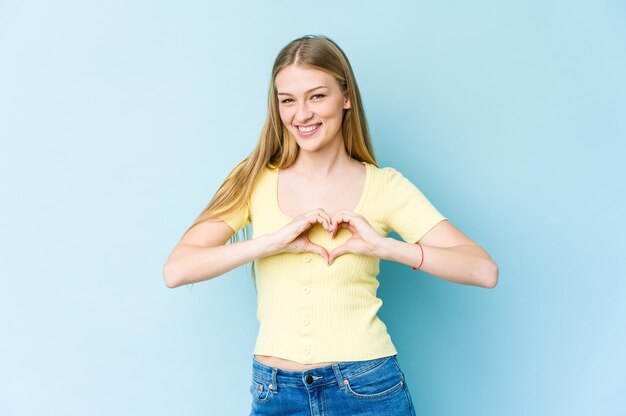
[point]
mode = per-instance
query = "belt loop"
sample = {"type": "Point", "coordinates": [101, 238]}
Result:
{"type": "Point", "coordinates": [274, 382]}
{"type": "Point", "coordinates": [339, 376]}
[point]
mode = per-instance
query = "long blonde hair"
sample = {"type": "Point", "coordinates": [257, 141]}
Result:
{"type": "Point", "coordinates": [275, 147]}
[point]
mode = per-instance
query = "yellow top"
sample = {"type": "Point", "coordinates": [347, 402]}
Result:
{"type": "Point", "coordinates": [311, 312]}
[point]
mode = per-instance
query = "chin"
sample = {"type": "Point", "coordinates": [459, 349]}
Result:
{"type": "Point", "coordinates": [308, 147]}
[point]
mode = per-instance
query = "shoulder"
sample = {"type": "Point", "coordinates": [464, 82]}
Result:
{"type": "Point", "coordinates": [265, 174]}
{"type": "Point", "coordinates": [263, 182]}
{"type": "Point", "coordinates": [386, 175]}
{"type": "Point", "coordinates": [268, 170]}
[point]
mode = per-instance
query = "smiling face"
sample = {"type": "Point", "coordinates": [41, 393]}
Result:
{"type": "Point", "coordinates": [311, 106]}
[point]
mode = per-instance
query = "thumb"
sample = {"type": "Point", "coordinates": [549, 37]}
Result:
{"type": "Point", "coordinates": [314, 248]}
{"type": "Point", "coordinates": [338, 251]}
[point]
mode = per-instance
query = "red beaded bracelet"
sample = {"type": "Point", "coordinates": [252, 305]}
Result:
{"type": "Point", "coordinates": [421, 248]}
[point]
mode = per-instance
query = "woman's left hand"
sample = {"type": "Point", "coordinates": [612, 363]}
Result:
{"type": "Point", "coordinates": [364, 240]}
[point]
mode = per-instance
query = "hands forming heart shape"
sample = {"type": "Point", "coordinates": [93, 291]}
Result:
{"type": "Point", "coordinates": [293, 237]}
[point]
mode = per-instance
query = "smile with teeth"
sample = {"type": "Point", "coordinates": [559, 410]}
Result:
{"type": "Point", "coordinates": [308, 130]}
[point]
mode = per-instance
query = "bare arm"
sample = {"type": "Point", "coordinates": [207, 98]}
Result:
{"type": "Point", "coordinates": [448, 254]}
{"type": "Point", "coordinates": [202, 253]}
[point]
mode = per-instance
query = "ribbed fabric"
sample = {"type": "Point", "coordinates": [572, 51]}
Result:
{"type": "Point", "coordinates": [310, 312]}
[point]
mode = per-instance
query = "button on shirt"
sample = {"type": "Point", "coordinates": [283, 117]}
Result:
{"type": "Point", "coordinates": [310, 311]}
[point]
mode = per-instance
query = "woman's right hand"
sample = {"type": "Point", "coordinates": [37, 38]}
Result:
{"type": "Point", "coordinates": [293, 238]}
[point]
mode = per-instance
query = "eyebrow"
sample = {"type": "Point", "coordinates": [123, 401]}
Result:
{"type": "Point", "coordinates": [307, 91]}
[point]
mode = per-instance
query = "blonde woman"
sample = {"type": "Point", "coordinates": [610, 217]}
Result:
{"type": "Point", "coordinates": [321, 210]}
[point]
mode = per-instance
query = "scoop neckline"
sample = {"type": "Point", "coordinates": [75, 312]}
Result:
{"type": "Point", "coordinates": [356, 209]}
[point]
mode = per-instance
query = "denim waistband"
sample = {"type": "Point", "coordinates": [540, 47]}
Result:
{"type": "Point", "coordinates": [334, 373]}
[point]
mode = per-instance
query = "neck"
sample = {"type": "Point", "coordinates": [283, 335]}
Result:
{"type": "Point", "coordinates": [323, 163]}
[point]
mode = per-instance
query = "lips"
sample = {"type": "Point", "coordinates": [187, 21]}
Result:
{"type": "Point", "coordinates": [308, 130]}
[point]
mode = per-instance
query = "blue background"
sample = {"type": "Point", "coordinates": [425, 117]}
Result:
{"type": "Point", "coordinates": [119, 119]}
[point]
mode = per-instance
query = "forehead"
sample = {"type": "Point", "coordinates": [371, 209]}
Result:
{"type": "Point", "coordinates": [295, 79]}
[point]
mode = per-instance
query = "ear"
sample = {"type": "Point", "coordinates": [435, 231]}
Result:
{"type": "Point", "coordinates": [346, 102]}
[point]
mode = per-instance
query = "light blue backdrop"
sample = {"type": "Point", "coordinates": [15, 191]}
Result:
{"type": "Point", "coordinates": [119, 119]}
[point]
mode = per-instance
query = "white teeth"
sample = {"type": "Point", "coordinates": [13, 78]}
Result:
{"type": "Point", "coordinates": [307, 129]}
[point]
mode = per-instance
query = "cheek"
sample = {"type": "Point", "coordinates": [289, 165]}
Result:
{"type": "Point", "coordinates": [332, 110]}
{"type": "Point", "coordinates": [286, 115]}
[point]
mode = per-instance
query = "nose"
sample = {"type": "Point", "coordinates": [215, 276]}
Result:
{"type": "Point", "coordinates": [303, 113]}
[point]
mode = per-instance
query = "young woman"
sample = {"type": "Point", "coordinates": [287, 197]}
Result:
{"type": "Point", "coordinates": [321, 210]}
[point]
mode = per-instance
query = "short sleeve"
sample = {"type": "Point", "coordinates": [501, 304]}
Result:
{"type": "Point", "coordinates": [238, 219]}
{"type": "Point", "coordinates": [409, 213]}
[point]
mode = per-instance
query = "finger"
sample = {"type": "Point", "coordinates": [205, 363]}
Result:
{"type": "Point", "coordinates": [318, 211]}
{"type": "Point", "coordinates": [305, 223]}
{"type": "Point", "coordinates": [326, 223]}
{"type": "Point", "coordinates": [313, 218]}
{"type": "Point", "coordinates": [343, 216]}
{"type": "Point", "coordinates": [314, 248]}
{"type": "Point", "coordinates": [334, 225]}
{"type": "Point", "coordinates": [324, 220]}
{"type": "Point", "coordinates": [327, 220]}
{"type": "Point", "coordinates": [338, 251]}
{"type": "Point", "coordinates": [344, 222]}
{"type": "Point", "coordinates": [324, 214]}
{"type": "Point", "coordinates": [348, 226]}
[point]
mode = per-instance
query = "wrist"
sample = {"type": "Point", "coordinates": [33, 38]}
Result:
{"type": "Point", "coordinates": [384, 248]}
{"type": "Point", "coordinates": [269, 245]}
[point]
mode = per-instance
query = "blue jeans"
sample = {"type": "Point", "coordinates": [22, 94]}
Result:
{"type": "Point", "coordinates": [352, 388]}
